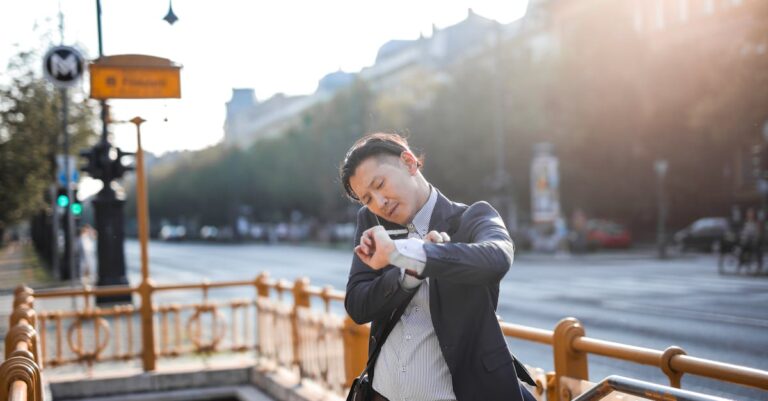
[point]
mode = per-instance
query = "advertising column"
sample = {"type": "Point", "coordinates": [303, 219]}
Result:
{"type": "Point", "coordinates": [549, 227]}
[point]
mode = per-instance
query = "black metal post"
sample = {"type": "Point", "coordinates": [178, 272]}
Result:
{"type": "Point", "coordinates": [108, 211]}
{"type": "Point", "coordinates": [68, 268]}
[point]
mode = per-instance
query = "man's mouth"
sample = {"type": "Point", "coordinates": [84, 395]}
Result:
{"type": "Point", "coordinates": [392, 210]}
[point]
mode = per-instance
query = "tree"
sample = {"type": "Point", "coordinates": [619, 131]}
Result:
{"type": "Point", "coordinates": [30, 127]}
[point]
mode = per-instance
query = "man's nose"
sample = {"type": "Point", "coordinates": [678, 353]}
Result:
{"type": "Point", "coordinates": [381, 201]}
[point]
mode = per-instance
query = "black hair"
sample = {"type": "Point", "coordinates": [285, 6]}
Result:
{"type": "Point", "coordinates": [369, 146]}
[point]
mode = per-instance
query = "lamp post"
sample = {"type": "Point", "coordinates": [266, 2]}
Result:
{"type": "Point", "coordinates": [661, 166]}
{"type": "Point", "coordinates": [104, 160]}
{"type": "Point", "coordinates": [146, 288]}
{"type": "Point", "coordinates": [501, 182]}
{"type": "Point", "coordinates": [108, 209]}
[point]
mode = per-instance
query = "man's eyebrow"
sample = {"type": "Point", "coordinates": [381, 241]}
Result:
{"type": "Point", "coordinates": [370, 184]}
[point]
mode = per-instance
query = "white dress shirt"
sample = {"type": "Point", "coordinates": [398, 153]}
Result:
{"type": "Point", "coordinates": [411, 366]}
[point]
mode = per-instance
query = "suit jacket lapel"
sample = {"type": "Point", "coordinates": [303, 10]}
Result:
{"type": "Point", "coordinates": [444, 215]}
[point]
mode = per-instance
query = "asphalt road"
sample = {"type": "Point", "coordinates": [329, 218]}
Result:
{"type": "Point", "coordinates": [626, 297]}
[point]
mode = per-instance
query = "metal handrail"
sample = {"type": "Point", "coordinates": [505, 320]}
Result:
{"type": "Point", "coordinates": [643, 389]}
{"type": "Point", "coordinates": [20, 371]}
{"type": "Point", "coordinates": [679, 363]}
{"type": "Point", "coordinates": [570, 344]}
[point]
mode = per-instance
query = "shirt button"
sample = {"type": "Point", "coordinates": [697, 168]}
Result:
{"type": "Point", "coordinates": [416, 309]}
{"type": "Point", "coordinates": [408, 337]}
{"type": "Point", "coordinates": [403, 369]}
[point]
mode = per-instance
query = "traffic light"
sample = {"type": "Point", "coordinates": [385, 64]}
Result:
{"type": "Point", "coordinates": [93, 165]}
{"type": "Point", "coordinates": [119, 167]}
{"type": "Point", "coordinates": [63, 201]}
{"type": "Point", "coordinates": [76, 207]}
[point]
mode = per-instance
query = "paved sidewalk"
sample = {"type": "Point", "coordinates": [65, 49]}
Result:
{"type": "Point", "coordinates": [19, 265]}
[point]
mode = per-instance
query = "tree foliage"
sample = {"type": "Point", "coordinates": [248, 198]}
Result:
{"type": "Point", "coordinates": [611, 100]}
{"type": "Point", "coordinates": [30, 136]}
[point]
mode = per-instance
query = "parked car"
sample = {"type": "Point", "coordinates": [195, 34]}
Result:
{"type": "Point", "coordinates": [173, 233]}
{"type": "Point", "coordinates": [607, 234]}
{"type": "Point", "coordinates": [209, 233]}
{"type": "Point", "coordinates": [705, 234]}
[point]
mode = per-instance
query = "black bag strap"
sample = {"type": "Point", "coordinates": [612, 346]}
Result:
{"type": "Point", "coordinates": [393, 319]}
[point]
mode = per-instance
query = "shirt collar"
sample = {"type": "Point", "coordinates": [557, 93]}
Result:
{"type": "Point", "coordinates": [420, 223]}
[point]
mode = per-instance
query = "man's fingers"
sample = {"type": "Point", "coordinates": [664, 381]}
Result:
{"type": "Point", "coordinates": [364, 249]}
{"type": "Point", "coordinates": [434, 237]}
{"type": "Point", "coordinates": [380, 235]}
{"type": "Point", "coordinates": [437, 237]}
{"type": "Point", "coordinates": [366, 241]}
{"type": "Point", "coordinates": [362, 254]}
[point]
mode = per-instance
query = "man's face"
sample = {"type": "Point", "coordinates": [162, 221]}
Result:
{"type": "Point", "coordinates": [387, 185]}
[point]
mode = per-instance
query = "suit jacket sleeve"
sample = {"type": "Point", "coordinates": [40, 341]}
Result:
{"type": "Point", "coordinates": [371, 294]}
{"type": "Point", "coordinates": [483, 259]}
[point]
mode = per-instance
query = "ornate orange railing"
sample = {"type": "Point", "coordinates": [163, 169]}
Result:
{"type": "Point", "coordinates": [313, 342]}
{"type": "Point", "coordinates": [570, 348]}
{"type": "Point", "coordinates": [20, 372]}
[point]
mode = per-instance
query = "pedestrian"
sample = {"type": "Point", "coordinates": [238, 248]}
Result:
{"type": "Point", "coordinates": [85, 251]}
{"type": "Point", "coordinates": [748, 239]}
{"type": "Point", "coordinates": [437, 283]}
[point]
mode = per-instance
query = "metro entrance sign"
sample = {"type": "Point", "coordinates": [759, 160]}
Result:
{"type": "Point", "coordinates": [63, 66]}
{"type": "Point", "coordinates": [134, 76]}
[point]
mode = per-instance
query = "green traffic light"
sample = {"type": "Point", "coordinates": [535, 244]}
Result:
{"type": "Point", "coordinates": [62, 201]}
{"type": "Point", "coordinates": [77, 209]}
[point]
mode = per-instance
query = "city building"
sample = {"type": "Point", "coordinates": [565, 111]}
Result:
{"type": "Point", "coordinates": [398, 64]}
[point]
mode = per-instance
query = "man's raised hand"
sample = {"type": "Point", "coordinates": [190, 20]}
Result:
{"type": "Point", "coordinates": [375, 247]}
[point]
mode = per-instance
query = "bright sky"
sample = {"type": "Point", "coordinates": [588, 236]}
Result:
{"type": "Point", "coordinates": [276, 46]}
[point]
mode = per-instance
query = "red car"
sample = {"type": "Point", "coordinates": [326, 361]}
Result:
{"type": "Point", "coordinates": [607, 234]}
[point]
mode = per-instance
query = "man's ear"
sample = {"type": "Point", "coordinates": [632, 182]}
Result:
{"type": "Point", "coordinates": [410, 161]}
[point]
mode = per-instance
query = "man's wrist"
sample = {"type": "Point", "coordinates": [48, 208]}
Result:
{"type": "Point", "coordinates": [404, 262]}
{"type": "Point", "coordinates": [410, 269]}
{"type": "Point", "coordinates": [413, 273]}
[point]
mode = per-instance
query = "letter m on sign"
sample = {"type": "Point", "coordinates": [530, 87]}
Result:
{"type": "Point", "coordinates": [65, 67]}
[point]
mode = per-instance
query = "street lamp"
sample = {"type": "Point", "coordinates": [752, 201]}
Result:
{"type": "Point", "coordinates": [170, 18]}
{"type": "Point", "coordinates": [661, 166]}
{"type": "Point", "coordinates": [108, 208]}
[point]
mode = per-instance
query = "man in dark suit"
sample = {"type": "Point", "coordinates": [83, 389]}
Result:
{"type": "Point", "coordinates": [445, 269]}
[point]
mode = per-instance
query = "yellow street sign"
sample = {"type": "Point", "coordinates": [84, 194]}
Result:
{"type": "Point", "coordinates": [134, 77]}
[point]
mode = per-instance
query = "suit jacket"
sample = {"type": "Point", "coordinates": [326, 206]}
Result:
{"type": "Point", "coordinates": [463, 294]}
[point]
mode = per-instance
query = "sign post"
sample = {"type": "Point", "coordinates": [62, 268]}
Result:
{"type": "Point", "coordinates": [134, 76]}
{"type": "Point", "coordinates": [63, 66]}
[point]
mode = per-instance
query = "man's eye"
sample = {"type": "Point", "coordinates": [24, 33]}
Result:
{"type": "Point", "coordinates": [381, 184]}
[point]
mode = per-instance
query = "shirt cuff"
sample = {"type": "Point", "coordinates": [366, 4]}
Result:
{"type": "Point", "coordinates": [412, 248]}
{"type": "Point", "coordinates": [408, 258]}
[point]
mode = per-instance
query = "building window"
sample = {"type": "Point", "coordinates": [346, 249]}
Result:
{"type": "Point", "coordinates": [683, 9]}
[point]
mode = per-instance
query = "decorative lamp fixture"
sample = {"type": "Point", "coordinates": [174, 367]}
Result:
{"type": "Point", "coordinates": [170, 18]}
